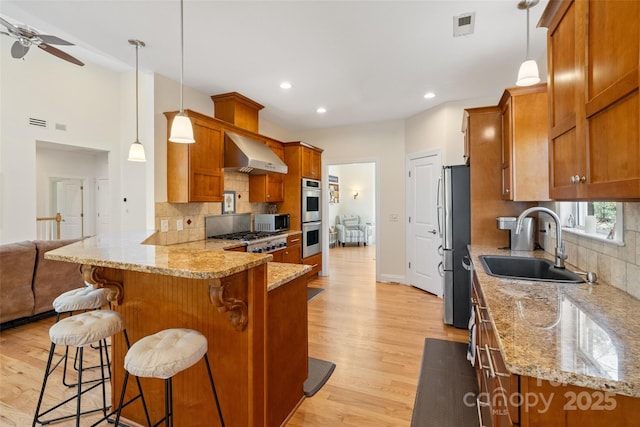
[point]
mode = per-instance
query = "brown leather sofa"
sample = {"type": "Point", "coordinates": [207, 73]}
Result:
{"type": "Point", "coordinates": [29, 283]}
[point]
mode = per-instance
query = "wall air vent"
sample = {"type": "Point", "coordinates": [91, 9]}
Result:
{"type": "Point", "coordinates": [464, 24]}
{"type": "Point", "coordinates": [37, 122]}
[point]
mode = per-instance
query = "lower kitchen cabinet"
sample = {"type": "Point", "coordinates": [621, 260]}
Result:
{"type": "Point", "coordinates": [314, 261]}
{"type": "Point", "coordinates": [293, 251]}
{"type": "Point", "coordinates": [507, 399]}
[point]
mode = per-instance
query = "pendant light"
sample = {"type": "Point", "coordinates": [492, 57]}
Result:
{"type": "Point", "coordinates": [181, 128]}
{"type": "Point", "coordinates": [528, 74]}
{"type": "Point", "coordinates": [136, 151]}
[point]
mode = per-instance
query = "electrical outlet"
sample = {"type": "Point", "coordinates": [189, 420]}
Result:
{"type": "Point", "coordinates": [180, 224]}
{"type": "Point", "coordinates": [164, 225]}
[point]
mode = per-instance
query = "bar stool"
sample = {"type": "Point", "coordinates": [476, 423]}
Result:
{"type": "Point", "coordinates": [163, 355]}
{"type": "Point", "coordinates": [81, 299]}
{"type": "Point", "coordinates": [80, 331]}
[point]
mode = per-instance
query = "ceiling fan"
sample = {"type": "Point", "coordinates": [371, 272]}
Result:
{"type": "Point", "coordinates": [27, 37]}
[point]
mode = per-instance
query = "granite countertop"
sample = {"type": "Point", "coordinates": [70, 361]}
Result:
{"type": "Point", "coordinates": [580, 334]}
{"type": "Point", "coordinates": [279, 273]}
{"type": "Point", "coordinates": [203, 259]}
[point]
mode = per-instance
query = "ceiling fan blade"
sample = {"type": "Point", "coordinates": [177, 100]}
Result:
{"type": "Point", "coordinates": [60, 54]}
{"type": "Point", "coordinates": [12, 28]}
{"type": "Point", "coordinates": [53, 40]}
{"type": "Point", "coordinates": [18, 50]}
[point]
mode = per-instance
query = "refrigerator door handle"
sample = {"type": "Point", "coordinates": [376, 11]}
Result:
{"type": "Point", "coordinates": [441, 269]}
{"type": "Point", "coordinates": [440, 251]}
{"type": "Point", "coordinates": [439, 205]}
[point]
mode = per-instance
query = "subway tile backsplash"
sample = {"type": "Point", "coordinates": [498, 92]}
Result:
{"type": "Point", "coordinates": [616, 265]}
{"type": "Point", "coordinates": [193, 214]}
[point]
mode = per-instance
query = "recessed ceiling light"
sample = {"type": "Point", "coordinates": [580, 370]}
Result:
{"type": "Point", "coordinates": [285, 85]}
{"type": "Point", "coordinates": [321, 110]}
{"type": "Point", "coordinates": [429, 95]}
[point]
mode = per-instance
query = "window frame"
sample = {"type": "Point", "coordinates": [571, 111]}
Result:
{"type": "Point", "coordinates": [574, 208]}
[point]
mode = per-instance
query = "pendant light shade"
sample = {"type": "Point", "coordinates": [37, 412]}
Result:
{"type": "Point", "coordinates": [528, 74]}
{"type": "Point", "coordinates": [136, 151]}
{"type": "Point", "coordinates": [181, 128]}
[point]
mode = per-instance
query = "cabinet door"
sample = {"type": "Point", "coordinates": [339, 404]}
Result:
{"type": "Point", "coordinates": [206, 177]}
{"type": "Point", "coordinates": [292, 254]}
{"type": "Point", "coordinates": [507, 146]}
{"type": "Point", "coordinates": [612, 99]}
{"type": "Point", "coordinates": [270, 187]}
{"type": "Point", "coordinates": [311, 163]}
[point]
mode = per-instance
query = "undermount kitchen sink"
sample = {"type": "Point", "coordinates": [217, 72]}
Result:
{"type": "Point", "coordinates": [527, 268]}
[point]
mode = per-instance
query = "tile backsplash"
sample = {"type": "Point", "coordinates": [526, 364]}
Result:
{"type": "Point", "coordinates": [193, 214]}
{"type": "Point", "coordinates": [617, 265]}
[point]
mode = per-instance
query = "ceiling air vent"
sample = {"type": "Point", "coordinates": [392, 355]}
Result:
{"type": "Point", "coordinates": [464, 24]}
{"type": "Point", "coordinates": [37, 122]}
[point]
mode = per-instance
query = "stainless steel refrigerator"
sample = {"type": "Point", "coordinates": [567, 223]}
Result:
{"type": "Point", "coordinates": [455, 229]}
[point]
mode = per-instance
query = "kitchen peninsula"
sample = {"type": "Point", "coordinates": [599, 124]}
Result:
{"type": "Point", "coordinates": [252, 311]}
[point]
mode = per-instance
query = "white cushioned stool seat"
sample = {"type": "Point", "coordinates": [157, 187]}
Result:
{"type": "Point", "coordinates": [86, 328]}
{"type": "Point", "coordinates": [164, 354]}
{"type": "Point", "coordinates": [86, 298]}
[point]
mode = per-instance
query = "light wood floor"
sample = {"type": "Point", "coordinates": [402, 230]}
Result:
{"type": "Point", "coordinates": [373, 331]}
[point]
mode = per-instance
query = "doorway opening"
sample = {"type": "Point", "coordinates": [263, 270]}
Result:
{"type": "Point", "coordinates": [352, 194]}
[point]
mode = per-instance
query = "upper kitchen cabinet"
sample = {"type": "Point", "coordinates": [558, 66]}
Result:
{"type": "Point", "coordinates": [311, 162]}
{"type": "Point", "coordinates": [593, 50]}
{"type": "Point", "coordinates": [194, 171]}
{"type": "Point", "coordinates": [299, 158]}
{"type": "Point", "coordinates": [238, 110]}
{"type": "Point", "coordinates": [482, 129]}
{"type": "Point", "coordinates": [525, 126]}
{"type": "Point", "coordinates": [268, 187]}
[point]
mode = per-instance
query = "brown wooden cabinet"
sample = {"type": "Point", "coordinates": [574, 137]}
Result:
{"type": "Point", "coordinates": [298, 156]}
{"type": "Point", "coordinates": [593, 50]}
{"type": "Point", "coordinates": [194, 171]}
{"type": "Point", "coordinates": [311, 163]}
{"type": "Point", "coordinates": [268, 188]}
{"type": "Point", "coordinates": [525, 176]}
{"type": "Point", "coordinates": [293, 252]}
{"type": "Point", "coordinates": [483, 128]}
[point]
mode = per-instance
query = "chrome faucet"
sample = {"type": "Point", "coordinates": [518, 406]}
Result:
{"type": "Point", "coordinates": [560, 254]}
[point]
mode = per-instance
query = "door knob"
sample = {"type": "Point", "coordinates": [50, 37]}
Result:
{"type": "Point", "coordinates": [433, 231]}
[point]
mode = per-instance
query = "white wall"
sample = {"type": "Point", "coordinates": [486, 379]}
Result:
{"type": "Point", "coordinates": [85, 99]}
{"type": "Point", "coordinates": [440, 128]}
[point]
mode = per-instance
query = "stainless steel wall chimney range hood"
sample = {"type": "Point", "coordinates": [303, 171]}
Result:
{"type": "Point", "coordinates": [247, 155]}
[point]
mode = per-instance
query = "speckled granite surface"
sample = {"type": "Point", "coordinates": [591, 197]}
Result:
{"type": "Point", "coordinates": [279, 273]}
{"type": "Point", "coordinates": [197, 260]}
{"type": "Point", "coordinates": [586, 335]}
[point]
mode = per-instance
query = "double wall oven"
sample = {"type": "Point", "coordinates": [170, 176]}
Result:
{"type": "Point", "coordinates": [311, 217]}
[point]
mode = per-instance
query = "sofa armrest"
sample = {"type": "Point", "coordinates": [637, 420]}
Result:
{"type": "Point", "coordinates": [16, 275]}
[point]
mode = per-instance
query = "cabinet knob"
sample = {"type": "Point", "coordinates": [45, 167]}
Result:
{"type": "Point", "coordinates": [506, 190]}
{"type": "Point", "coordinates": [583, 179]}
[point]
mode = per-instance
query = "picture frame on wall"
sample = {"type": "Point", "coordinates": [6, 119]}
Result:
{"type": "Point", "coordinates": [334, 189]}
{"type": "Point", "coordinates": [229, 203]}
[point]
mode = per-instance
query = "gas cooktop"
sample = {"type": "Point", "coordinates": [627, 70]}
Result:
{"type": "Point", "coordinates": [246, 235]}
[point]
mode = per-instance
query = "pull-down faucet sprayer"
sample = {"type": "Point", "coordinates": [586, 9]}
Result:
{"type": "Point", "coordinates": [560, 254]}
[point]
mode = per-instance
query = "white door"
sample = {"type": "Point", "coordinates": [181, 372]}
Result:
{"type": "Point", "coordinates": [69, 201]}
{"type": "Point", "coordinates": [423, 238]}
{"type": "Point", "coordinates": [103, 207]}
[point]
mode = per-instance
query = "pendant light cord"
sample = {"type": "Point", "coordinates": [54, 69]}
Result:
{"type": "Point", "coordinates": [528, 7]}
{"type": "Point", "coordinates": [181, 56]}
{"type": "Point", "coordinates": [137, 49]}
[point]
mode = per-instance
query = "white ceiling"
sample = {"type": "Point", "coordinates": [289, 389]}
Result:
{"type": "Point", "coordinates": [364, 61]}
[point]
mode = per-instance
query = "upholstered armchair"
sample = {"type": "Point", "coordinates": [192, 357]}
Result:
{"type": "Point", "coordinates": [350, 230]}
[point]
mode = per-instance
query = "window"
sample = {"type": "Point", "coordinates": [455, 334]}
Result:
{"type": "Point", "coordinates": [599, 220]}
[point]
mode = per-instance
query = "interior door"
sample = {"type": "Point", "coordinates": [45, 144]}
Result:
{"type": "Point", "coordinates": [103, 207]}
{"type": "Point", "coordinates": [423, 239]}
{"type": "Point", "coordinates": [69, 201]}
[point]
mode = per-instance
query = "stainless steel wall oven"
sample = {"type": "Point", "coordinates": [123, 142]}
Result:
{"type": "Point", "coordinates": [311, 200]}
{"type": "Point", "coordinates": [311, 238]}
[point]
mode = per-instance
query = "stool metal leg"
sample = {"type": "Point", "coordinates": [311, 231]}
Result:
{"type": "Point", "coordinates": [213, 387]}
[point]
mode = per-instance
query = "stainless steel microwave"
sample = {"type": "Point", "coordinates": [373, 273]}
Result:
{"type": "Point", "coordinates": [271, 222]}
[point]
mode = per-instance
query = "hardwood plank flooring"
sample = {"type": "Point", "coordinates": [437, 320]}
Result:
{"type": "Point", "coordinates": [373, 331]}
